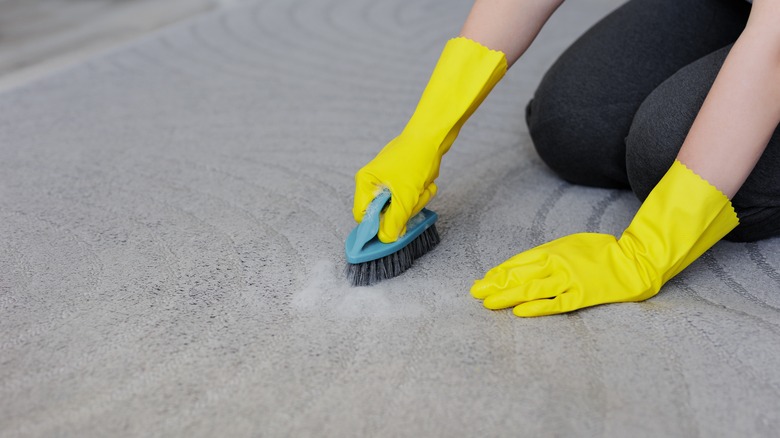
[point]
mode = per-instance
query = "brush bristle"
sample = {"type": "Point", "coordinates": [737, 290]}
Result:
{"type": "Point", "coordinates": [374, 271]}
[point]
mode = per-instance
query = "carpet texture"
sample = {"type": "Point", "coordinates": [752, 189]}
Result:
{"type": "Point", "coordinates": [172, 221]}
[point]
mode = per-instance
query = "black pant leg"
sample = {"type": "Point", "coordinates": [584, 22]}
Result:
{"type": "Point", "coordinates": [583, 108]}
{"type": "Point", "coordinates": [660, 127]}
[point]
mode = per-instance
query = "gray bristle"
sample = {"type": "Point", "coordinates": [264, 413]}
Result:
{"type": "Point", "coordinates": [374, 271]}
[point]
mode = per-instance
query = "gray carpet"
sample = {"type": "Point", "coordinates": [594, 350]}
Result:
{"type": "Point", "coordinates": [39, 36]}
{"type": "Point", "coordinates": [172, 219]}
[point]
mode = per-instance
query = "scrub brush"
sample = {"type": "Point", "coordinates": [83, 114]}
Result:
{"type": "Point", "coordinates": [370, 261]}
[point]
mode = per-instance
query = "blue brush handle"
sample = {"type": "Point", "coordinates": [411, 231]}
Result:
{"type": "Point", "coordinates": [369, 226]}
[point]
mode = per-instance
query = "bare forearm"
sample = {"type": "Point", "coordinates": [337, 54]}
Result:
{"type": "Point", "coordinates": [742, 109]}
{"type": "Point", "coordinates": [508, 25]}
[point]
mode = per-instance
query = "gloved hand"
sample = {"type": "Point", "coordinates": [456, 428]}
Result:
{"type": "Point", "coordinates": [681, 218]}
{"type": "Point", "coordinates": [408, 165]}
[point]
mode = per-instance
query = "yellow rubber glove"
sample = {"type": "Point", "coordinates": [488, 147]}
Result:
{"type": "Point", "coordinates": [681, 218]}
{"type": "Point", "coordinates": [408, 165]}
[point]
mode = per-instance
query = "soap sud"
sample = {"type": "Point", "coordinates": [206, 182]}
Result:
{"type": "Point", "coordinates": [329, 294]}
{"type": "Point", "coordinates": [416, 220]}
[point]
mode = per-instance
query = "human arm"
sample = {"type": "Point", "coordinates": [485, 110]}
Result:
{"type": "Point", "coordinates": [468, 69]}
{"type": "Point", "coordinates": [687, 212]}
{"type": "Point", "coordinates": [509, 26]}
{"type": "Point", "coordinates": [742, 109]}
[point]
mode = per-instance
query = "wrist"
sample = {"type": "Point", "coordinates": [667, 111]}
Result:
{"type": "Point", "coordinates": [682, 217]}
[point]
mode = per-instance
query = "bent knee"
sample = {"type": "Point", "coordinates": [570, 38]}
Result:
{"type": "Point", "coordinates": [653, 142]}
{"type": "Point", "coordinates": [648, 156]}
{"type": "Point", "coordinates": [568, 141]}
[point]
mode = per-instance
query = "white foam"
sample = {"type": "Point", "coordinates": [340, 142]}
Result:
{"type": "Point", "coordinates": [330, 294]}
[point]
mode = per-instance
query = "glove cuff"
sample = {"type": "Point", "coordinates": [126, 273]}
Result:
{"type": "Point", "coordinates": [462, 79]}
{"type": "Point", "coordinates": [682, 217]}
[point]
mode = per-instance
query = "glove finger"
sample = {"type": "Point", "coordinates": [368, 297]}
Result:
{"type": "Point", "coordinates": [533, 256]}
{"type": "Point", "coordinates": [367, 188]}
{"type": "Point", "coordinates": [392, 224]}
{"type": "Point", "coordinates": [534, 265]}
{"type": "Point", "coordinates": [498, 282]}
{"type": "Point", "coordinates": [565, 302]}
{"type": "Point", "coordinates": [425, 197]}
{"type": "Point", "coordinates": [533, 290]}
{"type": "Point", "coordinates": [389, 230]}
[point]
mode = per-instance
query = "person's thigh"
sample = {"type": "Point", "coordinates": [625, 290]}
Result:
{"type": "Point", "coordinates": [582, 110]}
{"type": "Point", "coordinates": [660, 127]}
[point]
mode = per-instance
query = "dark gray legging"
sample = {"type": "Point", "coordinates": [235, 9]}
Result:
{"type": "Point", "coordinates": [614, 109]}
